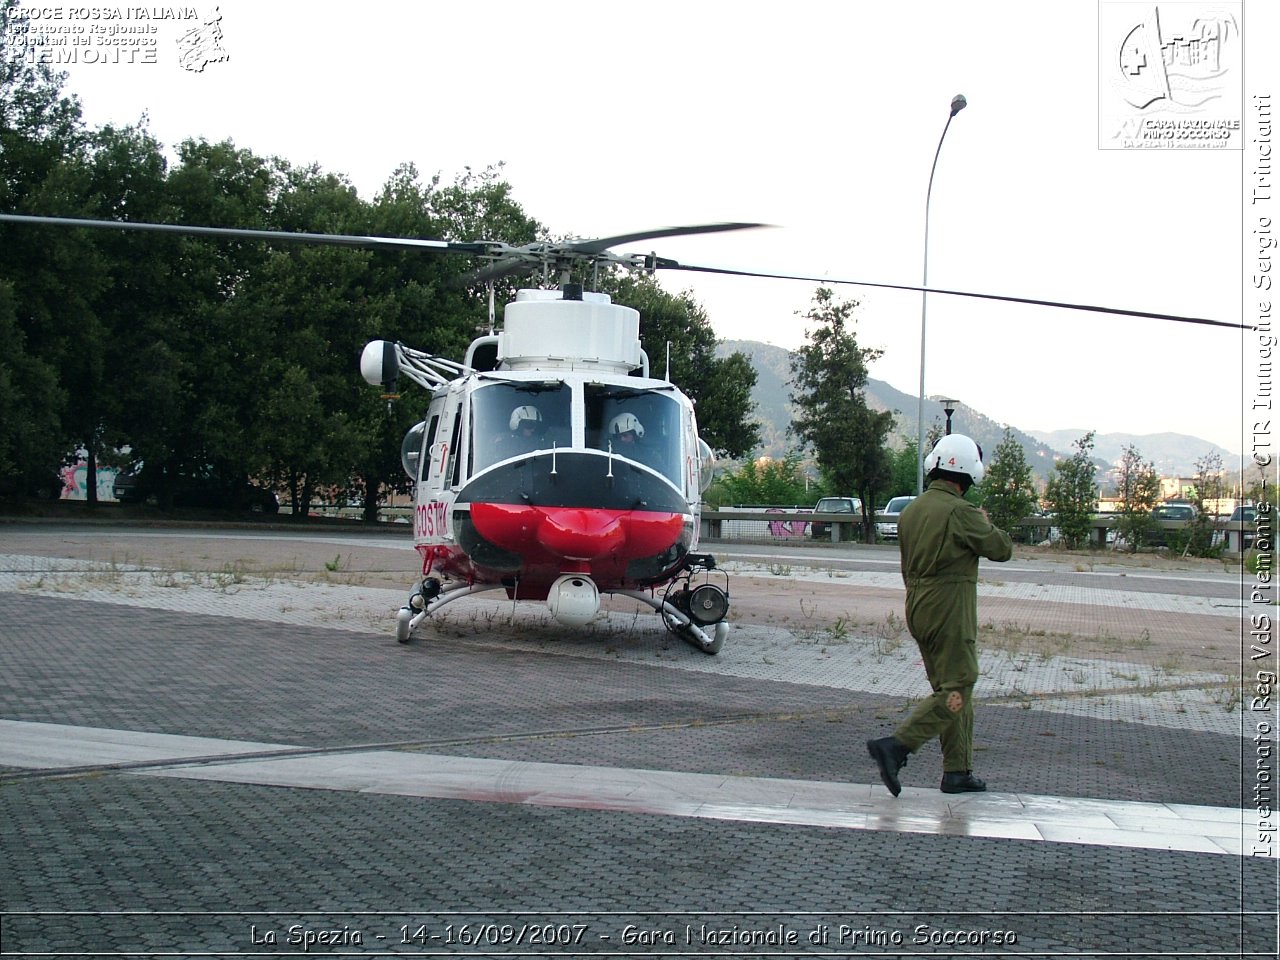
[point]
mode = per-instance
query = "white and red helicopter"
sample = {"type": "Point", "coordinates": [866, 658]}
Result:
{"type": "Point", "coordinates": [550, 463]}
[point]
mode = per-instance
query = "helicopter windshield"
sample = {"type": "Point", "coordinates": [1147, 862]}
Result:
{"type": "Point", "coordinates": [639, 424]}
{"type": "Point", "coordinates": [510, 419]}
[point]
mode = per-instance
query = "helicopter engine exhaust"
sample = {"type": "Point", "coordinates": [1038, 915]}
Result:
{"type": "Point", "coordinates": [573, 600]}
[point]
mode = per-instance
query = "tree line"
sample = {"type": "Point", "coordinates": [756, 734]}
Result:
{"type": "Point", "coordinates": [224, 361]}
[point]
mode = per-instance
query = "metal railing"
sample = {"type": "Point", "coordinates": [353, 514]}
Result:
{"type": "Point", "coordinates": [782, 524]}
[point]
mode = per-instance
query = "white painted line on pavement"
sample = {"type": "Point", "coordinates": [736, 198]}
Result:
{"type": "Point", "coordinates": [765, 800]}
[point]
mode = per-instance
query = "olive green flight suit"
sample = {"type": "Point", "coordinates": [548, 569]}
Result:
{"type": "Point", "coordinates": [941, 536]}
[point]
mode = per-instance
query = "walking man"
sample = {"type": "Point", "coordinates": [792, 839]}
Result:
{"type": "Point", "coordinates": [941, 536]}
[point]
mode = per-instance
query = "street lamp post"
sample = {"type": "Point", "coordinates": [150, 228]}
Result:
{"type": "Point", "coordinates": [958, 103]}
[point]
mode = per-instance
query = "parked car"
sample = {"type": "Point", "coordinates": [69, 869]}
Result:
{"type": "Point", "coordinates": [851, 505]}
{"type": "Point", "coordinates": [887, 529]}
{"type": "Point", "coordinates": [127, 486]}
{"type": "Point", "coordinates": [1159, 536]}
{"type": "Point", "coordinates": [1246, 514]}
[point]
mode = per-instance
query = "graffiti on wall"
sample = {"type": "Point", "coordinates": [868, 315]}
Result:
{"type": "Point", "coordinates": [75, 482]}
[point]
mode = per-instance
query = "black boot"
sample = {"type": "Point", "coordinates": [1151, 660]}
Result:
{"type": "Point", "coordinates": [962, 781]}
{"type": "Point", "coordinates": [890, 756]}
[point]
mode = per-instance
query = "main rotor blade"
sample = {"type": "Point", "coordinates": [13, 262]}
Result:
{"type": "Point", "coordinates": [658, 263]}
{"type": "Point", "coordinates": [504, 268]}
{"type": "Point", "coordinates": [602, 244]}
{"type": "Point", "coordinates": [233, 233]}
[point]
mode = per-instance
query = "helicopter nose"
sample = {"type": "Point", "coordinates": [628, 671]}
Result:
{"type": "Point", "coordinates": [581, 534]}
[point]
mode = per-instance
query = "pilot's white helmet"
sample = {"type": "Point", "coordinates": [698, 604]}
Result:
{"type": "Point", "coordinates": [626, 423]}
{"type": "Point", "coordinates": [956, 453]}
{"type": "Point", "coordinates": [520, 415]}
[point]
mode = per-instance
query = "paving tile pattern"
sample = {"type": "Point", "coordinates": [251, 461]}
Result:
{"type": "Point", "coordinates": [136, 669]}
{"type": "Point", "coordinates": [205, 867]}
{"type": "Point", "coordinates": [122, 843]}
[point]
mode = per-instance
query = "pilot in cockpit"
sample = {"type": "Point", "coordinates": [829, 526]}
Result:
{"type": "Point", "coordinates": [625, 433]}
{"type": "Point", "coordinates": [526, 428]}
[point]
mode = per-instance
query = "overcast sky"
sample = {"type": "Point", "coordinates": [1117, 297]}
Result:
{"type": "Point", "coordinates": [821, 118]}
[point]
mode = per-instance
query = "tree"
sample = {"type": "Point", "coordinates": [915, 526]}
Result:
{"type": "Point", "coordinates": [1139, 491]}
{"type": "Point", "coordinates": [1208, 487]}
{"type": "Point", "coordinates": [42, 154]}
{"type": "Point", "coordinates": [125, 179]}
{"type": "Point", "coordinates": [299, 304]}
{"type": "Point", "coordinates": [30, 398]}
{"type": "Point", "coordinates": [829, 377]}
{"type": "Point", "coordinates": [40, 126]}
{"type": "Point", "coordinates": [1072, 494]}
{"type": "Point", "coordinates": [767, 482]}
{"type": "Point", "coordinates": [903, 466]}
{"type": "Point", "coordinates": [194, 352]}
{"type": "Point", "coordinates": [1008, 490]}
{"type": "Point", "coordinates": [933, 435]}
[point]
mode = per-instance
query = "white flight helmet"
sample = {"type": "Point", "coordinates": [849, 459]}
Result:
{"type": "Point", "coordinates": [956, 453]}
{"type": "Point", "coordinates": [521, 414]}
{"type": "Point", "coordinates": [626, 423]}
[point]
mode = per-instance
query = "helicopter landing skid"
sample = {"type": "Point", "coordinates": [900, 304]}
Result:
{"type": "Point", "coordinates": [420, 606]}
{"type": "Point", "coordinates": [680, 624]}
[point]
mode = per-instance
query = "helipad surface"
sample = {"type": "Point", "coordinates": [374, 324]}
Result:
{"type": "Point", "coordinates": [192, 759]}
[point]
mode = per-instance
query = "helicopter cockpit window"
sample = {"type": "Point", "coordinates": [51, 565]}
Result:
{"type": "Point", "coordinates": [510, 419]}
{"type": "Point", "coordinates": [641, 425]}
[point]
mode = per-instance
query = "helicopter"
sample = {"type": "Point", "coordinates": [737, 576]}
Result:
{"type": "Point", "coordinates": [550, 463]}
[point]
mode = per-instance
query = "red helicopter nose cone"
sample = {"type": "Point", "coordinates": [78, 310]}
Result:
{"type": "Point", "coordinates": [581, 534]}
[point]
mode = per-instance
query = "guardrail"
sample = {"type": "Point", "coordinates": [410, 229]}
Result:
{"type": "Point", "coordinates": [775, 522]}
{"type": "Point", "coordinates": [790, 524]}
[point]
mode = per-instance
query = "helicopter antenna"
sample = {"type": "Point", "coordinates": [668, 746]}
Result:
{"type": "Point", "coordinates": [668, 361]}
{"type": "Point", "coordinates": [492, 309]}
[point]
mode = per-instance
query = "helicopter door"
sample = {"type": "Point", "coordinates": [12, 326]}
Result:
{"type": "Point", "coordinates": [428, 446]}
{"type": "Point", "coordinates": [692, 458]}
{"type": "Point", "coordinates": [453, 468]}
{"type": "Point", "coordinates": [440, 461]}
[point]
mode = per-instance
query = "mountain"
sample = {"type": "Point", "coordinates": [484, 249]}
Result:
{"type": "Point", "coordinates": [1174, 454]}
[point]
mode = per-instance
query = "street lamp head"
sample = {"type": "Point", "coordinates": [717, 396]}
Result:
{"type": "Point", "coordinates": [949, 407]}
{"type": "Point", "coordinates": [958, 103]}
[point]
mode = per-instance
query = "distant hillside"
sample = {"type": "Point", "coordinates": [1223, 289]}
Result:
{"type": "Point", "coordinates": [1174, 454]}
